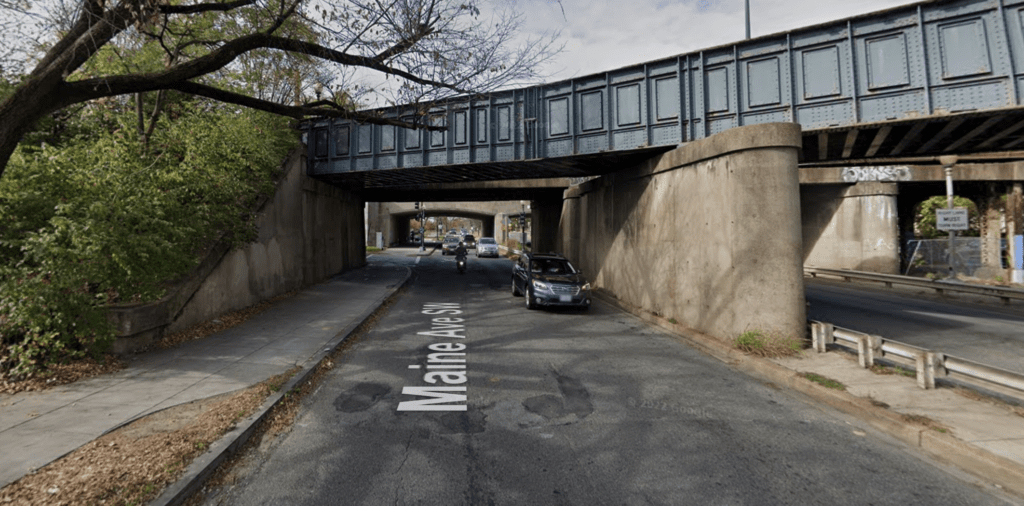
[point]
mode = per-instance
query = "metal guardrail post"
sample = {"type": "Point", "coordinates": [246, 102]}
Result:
{"type": "Point", "coordinates": [925, 363]}
{"type": "Point", "coordinates": [940, 365]}
{"type": "Point", "coordinates": [822, 335]}
{"type": "Point", "coordinates": [867, 345]}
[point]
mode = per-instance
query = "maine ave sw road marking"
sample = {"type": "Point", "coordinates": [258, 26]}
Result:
{"type": "Point", "coordinates": [445, 366]}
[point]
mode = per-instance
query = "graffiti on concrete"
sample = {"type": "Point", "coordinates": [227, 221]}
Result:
{"type": "Point", "coordinates": [856, 174]}
{"type": "Point", "coordinates": [884, 245]}
{"type": "Point", "coordinates": [576, 181]}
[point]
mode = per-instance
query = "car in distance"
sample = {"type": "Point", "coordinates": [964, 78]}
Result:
{"type": "Point", "coordinates": [449, 245]}
{"type": "Point", "coordinates": [549, 280]}
{"type": "Point", "coordinates": [469, 240]}
{"type": "Point", "coordinates": [487, 247]}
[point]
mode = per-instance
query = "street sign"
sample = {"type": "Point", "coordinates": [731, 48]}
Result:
{"type": "Point", "coordinates": [951, 219]}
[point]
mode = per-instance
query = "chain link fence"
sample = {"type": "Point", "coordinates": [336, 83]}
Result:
{"type": "Point", "coordinates": [931, 254]}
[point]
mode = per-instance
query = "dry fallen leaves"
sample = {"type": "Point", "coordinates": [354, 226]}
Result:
{"type": "Point", "coordinates": [135, 463]}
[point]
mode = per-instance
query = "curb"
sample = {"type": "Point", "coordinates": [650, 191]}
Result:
{"type": "Point", "coordinates": [232, 441]}
{"type": "Point", "coordinates": [979, 462]}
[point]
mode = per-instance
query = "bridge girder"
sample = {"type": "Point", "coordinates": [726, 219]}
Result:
{"type": "Point", "coordinates": [903, 85]}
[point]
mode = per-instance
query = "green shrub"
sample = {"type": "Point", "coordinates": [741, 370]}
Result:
{"type": "Point", "coordinates": [925, 221]}
{"type": "Point", "coordinates": [100, 219]}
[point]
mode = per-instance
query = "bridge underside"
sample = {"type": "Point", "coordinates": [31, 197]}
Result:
{"type": "Point", "coordinates": [381, 185]}
{"type": "Point", "coordinates": [465, 193]}
{"type": "Point", "coordinates": [993, 135]}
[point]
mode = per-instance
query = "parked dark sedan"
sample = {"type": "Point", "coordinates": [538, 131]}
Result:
{"type": "Point", "coordinates": [549, 280]}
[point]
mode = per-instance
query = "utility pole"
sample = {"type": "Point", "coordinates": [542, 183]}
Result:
{"type": "Point", "coordinates": [421, 216]}
{"type": "Point", "coordinates": [522, 225]}
{"type": "Point", "coordinates": [746, 9]}
{"type": "Point", "coordinates": [952, 233]}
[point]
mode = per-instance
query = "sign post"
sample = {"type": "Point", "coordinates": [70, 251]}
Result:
{"type": "Point", "coordinates": [952, 220]}
{"type": "Point", "coordinates": [947, 167]}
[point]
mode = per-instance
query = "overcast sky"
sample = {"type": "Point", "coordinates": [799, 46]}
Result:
{"type": "Point", "coordinates": [602, 35]}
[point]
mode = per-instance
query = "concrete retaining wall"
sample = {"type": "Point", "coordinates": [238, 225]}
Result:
{"type": "Point", "coordinates": [707, 234]}
{"type": "Point", "coordinates": [308, 231]}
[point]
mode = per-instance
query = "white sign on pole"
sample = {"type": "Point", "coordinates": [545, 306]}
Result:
{"type": "Point", "coordinates": [951, 219]}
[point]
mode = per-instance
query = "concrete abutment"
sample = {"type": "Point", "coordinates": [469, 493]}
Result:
{"type": "Point", "coordinates": [707, 234]}
{"type": "Point", "coordinates": [308, 232]}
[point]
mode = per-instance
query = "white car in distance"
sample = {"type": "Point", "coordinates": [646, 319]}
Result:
{"type": "Point", "coordinates": [487, 247]}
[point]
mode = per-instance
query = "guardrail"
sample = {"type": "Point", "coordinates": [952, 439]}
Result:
{"type": "Point", "coordinates": [940, 286]}
{"type": "Point", "coordinates": [927, 363]}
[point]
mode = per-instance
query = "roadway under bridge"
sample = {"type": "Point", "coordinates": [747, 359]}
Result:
{"type": "Point", "coordinates": [392, 219]}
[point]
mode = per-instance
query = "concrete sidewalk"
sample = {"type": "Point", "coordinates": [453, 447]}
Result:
{"type": "Point", "coordinates": [37, 428]}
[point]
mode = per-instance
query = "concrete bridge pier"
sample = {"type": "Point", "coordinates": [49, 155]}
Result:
{"type": "Point", "coordinates": [1015, 231]}
{"type": "Point", "coordinates": [851, 226]}
{"type": "Point", "coordinates": [545, 215]}
{"type": "Point", "coordinates": [707, 234]}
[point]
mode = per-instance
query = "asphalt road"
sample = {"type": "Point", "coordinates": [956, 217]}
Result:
{"type": "Point", "coordinates": [565, 407]}
{"type": "Point", "coordinates": [984, 332]}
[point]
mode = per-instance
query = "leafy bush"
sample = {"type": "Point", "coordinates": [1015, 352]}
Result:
{"type": "Point", "coordinates": [925, 220]}
{"type": "Point", "coordinates": [101, 219]}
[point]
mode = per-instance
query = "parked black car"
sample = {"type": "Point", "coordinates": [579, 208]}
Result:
{"type": "Point", "coordinates": [549, 280]}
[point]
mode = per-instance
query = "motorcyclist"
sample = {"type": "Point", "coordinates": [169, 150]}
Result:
{"type": "Point", "coordinates": [460, 251]}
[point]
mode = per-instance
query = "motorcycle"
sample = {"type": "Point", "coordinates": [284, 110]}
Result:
{"type": "Point", "coordinates": [460, 262]}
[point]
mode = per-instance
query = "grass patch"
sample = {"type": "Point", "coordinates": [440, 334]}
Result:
{"type": "Point", "coordinates": [373, 249]}
{"type": "Point", "coordinates": [766, 344]}
{"type": "Point", "coordinates": [886, 370]}
{"type": "Point", "coordinates": [823, 381]}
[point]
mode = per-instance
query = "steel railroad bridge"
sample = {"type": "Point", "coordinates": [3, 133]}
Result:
{"type": "Point", "coordinates": [907, 85]}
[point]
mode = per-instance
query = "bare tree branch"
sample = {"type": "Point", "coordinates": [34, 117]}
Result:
{"type": "Point", "coordinates": [197, 8]}
{"type": "Point", "coordinates": [321, 108]}
{"type": "Point", "coordinates": [422, 50]}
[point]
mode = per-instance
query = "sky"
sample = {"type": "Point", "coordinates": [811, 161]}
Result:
{"type": "Point", "coordinates": [602, 35]}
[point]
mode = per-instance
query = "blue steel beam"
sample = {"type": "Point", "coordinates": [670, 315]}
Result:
{"type": "Point", "coordinates": [904, 72]}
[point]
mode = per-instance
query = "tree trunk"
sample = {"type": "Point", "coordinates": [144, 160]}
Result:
{"type": "Point", "coordinates": [31, 101]}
